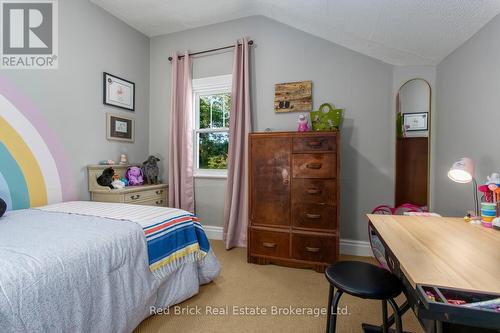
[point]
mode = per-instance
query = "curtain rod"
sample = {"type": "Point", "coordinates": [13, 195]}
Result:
{"type": "Point", "coordinates": [250, 42]}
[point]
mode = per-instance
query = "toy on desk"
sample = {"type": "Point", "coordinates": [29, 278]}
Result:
{"type": "Point", "coordinates": [487, 195]}
{"type": "Point", "coordinates": [303, 124]}
{"type": "Point", "coordinates": [497, 194]}
{"type": "Point", "coordinates": [496, 223]}
{"type": "Point", "coordinates": [490, 189]}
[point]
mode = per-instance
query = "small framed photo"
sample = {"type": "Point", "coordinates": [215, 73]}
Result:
{"type": "Point", "coordinates": [118, 92]}
{"type": "Point", "coordinates": [414, 122]}
{"type": "Point", "coordinates": [119, 128]}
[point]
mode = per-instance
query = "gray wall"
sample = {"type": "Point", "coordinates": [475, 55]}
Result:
{"type": "Point", "coordinates": [468, 104]}
{"type": "Point", "coordinates": [90, 41]}
{"type": "Point", "coordinates": [360, 84]}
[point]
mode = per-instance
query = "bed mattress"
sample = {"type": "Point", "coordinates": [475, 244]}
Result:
{"type": "Point", "coordinates": [61, 272]}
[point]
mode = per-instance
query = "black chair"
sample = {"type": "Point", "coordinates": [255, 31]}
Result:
{"type": "Point", "coordinates": [363, 280]}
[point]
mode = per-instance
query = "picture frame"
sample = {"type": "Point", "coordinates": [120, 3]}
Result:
{"type": "Point", "coordinates": [293, 97]}
{"type": "Point", "coordinates": [416, 121]}
{"type": "Point", "coordinates": [120, 128]}
{"type": "Point", "coordinates": [118, 92]}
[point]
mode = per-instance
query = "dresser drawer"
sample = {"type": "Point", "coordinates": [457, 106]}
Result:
{"type": "Point", "coordinates": [314, 248]}
{"type": "Point", "coordinates": [146, 194]}
{"type": "Point", "coordinates": [314, 143]}
{"type": "Point", "coordinates": [314, 216]}
{"type": "Point", "coordinates": [314, 191]}
{"type": "Point", "coordinates": [160, 202]}
{"type": "Point", "coordinates": [270, 243]}
{"type": "Point", "coordinates": [314, 165]}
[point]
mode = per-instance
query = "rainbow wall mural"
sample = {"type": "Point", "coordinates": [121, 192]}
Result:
{"type": "Point", "coordinates": [32, 162]}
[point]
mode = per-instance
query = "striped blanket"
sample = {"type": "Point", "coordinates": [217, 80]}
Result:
{"type": "Point", "coordinates": [173, 236]}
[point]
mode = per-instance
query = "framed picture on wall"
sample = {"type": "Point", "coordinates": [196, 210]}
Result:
{"type": "Point", "coordinates": [118, 92]}
{"type": "Point", "coordinates": [414, 122]}
{"type": "Point", "coordinates": [119, 128]}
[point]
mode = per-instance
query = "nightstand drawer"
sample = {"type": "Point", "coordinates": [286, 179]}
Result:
{"type": "Point", "coordinates": [160, 201]}
{"type": "Point", "coordinates": [143, 195]}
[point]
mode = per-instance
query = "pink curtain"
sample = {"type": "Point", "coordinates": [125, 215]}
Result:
{"type": "Point", "coordinates": [236, 200]}
{"type": "Point", "coordinates": [180, 162]}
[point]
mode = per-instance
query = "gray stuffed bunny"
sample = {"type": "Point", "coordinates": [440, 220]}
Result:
{"type": "Point", "coordinates": [151, 170]}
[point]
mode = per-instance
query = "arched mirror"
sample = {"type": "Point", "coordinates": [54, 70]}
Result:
{"type": "Point", "coordinates": [413, 115]}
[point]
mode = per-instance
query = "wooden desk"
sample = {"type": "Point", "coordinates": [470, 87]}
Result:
{"type": "Point", "coordinates": [440, 251]}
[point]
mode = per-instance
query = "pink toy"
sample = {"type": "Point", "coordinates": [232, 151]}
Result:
{"type": "Point", "coordinates": [303, 126]}
{"type": "Point", "coordinates": [134, 176]}
{"type": "Point", "coordinates": [487, 195]}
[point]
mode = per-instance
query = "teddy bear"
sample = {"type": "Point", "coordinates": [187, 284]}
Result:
{"type": "Point", "coordinates": [134, 176]}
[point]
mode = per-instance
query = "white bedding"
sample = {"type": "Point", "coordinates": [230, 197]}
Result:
{"type": "Point", "coordinates": [71, 273]}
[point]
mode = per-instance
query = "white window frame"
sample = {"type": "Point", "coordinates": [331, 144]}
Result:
{"type": "Point", "coordinates": [207, 86]}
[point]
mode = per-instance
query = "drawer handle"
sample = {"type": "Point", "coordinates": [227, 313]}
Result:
{"type": "Point", "coordinates": [314, 143]}
{"type": "Point", "coordinates": [313, 190]}
{"type": "Point", "coordinates": [312, 249]}
{"type": "Point", "coordinates": [269, 245]}
{"type": "Point", "coordinates": [159, 202]}
{"type": "Point", "coordinates": [135, 196]}
{"type": "Point", "coordinates": [158, 192]}
{"type": "Point", "coordinates": [314, 166]}
{"type": "Point", "coordinates": [313, 216]}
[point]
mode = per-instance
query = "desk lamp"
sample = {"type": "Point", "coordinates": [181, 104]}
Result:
{"type": "Point", "coordinates": [462, 171]}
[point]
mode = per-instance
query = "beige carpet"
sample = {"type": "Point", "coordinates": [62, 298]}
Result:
{"type": "Point", "coordinates": [241, 284]}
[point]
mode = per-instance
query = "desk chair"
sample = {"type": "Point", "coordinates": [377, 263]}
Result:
{"type": "Point", "coordinates": [365, 281]}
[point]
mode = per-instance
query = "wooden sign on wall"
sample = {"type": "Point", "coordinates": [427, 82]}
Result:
{"type": "Point", "coordinates": [293, 97]}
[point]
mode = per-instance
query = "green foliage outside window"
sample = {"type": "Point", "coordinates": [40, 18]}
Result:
{"type": "Point", "coordinates": [213, 147]}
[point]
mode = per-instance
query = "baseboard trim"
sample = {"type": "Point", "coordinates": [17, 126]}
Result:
{"type": "Point", "coordinates": [347, 246]}
{"type": "Point", "coordinates": [213, 232]}
{"type": "Point", "coordinates": [355, 248]}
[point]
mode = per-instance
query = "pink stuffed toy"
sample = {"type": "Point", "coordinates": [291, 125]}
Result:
{"type": "Point", "coordinates": [134, 176]}
{"type": "Point", "coordinates": [303, 125]}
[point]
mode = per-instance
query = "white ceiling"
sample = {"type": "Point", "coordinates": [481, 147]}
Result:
{"type": "Point", "coordinates": [399, 32]}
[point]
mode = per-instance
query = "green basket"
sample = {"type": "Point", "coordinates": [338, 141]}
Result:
{"type": "Point", "coordinates": [328, 119]}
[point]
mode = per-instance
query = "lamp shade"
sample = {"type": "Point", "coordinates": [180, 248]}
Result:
{"type": "Point", "coordinates": [462, 171]}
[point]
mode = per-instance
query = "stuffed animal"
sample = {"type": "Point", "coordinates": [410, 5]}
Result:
{"type": "Point", "coordinates": [493, 179]}
{"type": "Point", "coordinates": [118, 184]}
{"type": "Point", "coordinates": [124, 180]}
{"type": "Point", "coordinates": [151, 170]}
{"type": "Point", "coordinates": [106, 178]}
{"type": "Point", "coordinates": [3, 207]}
{"type": "Point", "coordinates": [135, 176]}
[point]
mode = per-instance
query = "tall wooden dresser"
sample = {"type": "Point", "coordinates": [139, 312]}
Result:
{"type": "Point", "coordinates": [294, 198]}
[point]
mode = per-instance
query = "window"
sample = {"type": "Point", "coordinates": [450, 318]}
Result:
{"type": "Point", "coordinates": [212, 104]}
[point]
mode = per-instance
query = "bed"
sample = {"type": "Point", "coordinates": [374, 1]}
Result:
{"type": "Point", "coordinates": [83, 267]}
